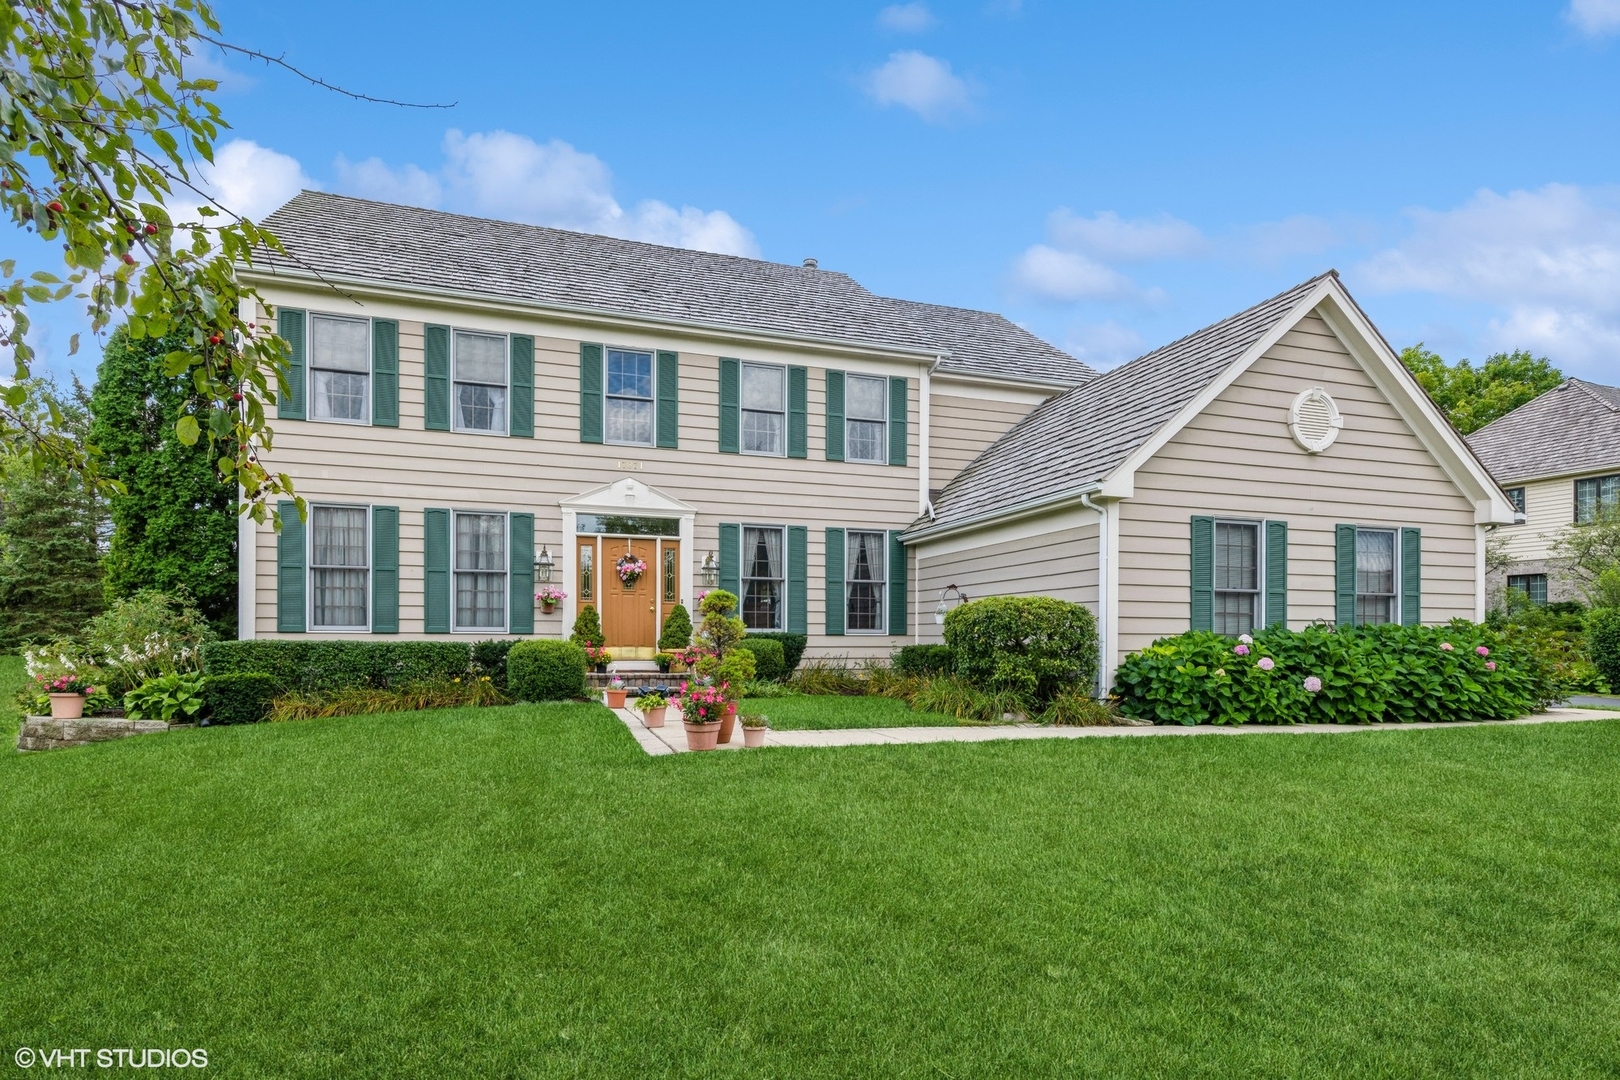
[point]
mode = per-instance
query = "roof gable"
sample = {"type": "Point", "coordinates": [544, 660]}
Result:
{"type": "Point", "coordinates": [1572, 428]}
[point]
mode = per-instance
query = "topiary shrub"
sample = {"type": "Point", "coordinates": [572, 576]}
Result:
{"type": "Point", "coordinates": [240, 698]}
{"type": "Point", "coordinates": [769, 665]}
{"type": "Point", "coordinates": [1034, 646]}
{"type": "Point", "coordinates": [546, 671]}
{"type": "Point", "coordinates": [925, 660]}
{"type": "Point", "coordinates": [1603, 643]}
{"type": "Point", "coordinates": [588, 628]}
{"type": "Point", "coordinates": [793, 646]}
{"type": "Point", "coordinates": [677, 631]}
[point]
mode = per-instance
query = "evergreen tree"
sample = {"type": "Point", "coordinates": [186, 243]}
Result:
{"type": "Point", "coordinates": [175, 523]}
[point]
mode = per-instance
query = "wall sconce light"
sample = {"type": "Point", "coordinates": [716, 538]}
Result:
{"type": "Point", "coordinates": [944, 606]}
{"type": "Point", "coordinates": [542, 565]}
{"type": "Point", "coordinates": [709, 575]}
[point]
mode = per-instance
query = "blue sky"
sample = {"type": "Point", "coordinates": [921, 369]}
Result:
{"type": "Point", "coordinates": [1111, 176]}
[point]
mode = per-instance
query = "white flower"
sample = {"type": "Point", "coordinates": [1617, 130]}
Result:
{"type": "Point", "coordinates": [1246, 639]}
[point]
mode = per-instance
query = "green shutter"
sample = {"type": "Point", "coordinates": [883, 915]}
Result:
{"type": "Point", "coordinates": [384, 373]}
{"type": "Point", "coordinates": [590, 392]}
{"type": "Point", "coordinates": [1203, 573]}
{"type": "Point", "coordinates": [731, 559]}
{"type": "Point", "coordinates": [897, 583]}
{"type": "Point", "coordinates": [834, 599]}
{"type": "Point", "coordinates": [520, 572]}
{"type": "Point", "coordinates": [730, 405]}
{"type": "Point", "coordinates": [798, 558]}
{"type": "Point", "coordinates": [1411, 577]}
{"type": "Point", "coordinates": [520, 422]}
{"type": "Point", "coordinates": [1276, 574]}
{"type": "Point", "coordinates": [899, 398]}
{"type": "Point", "coordinates": [436, 378]}
{"type": "Point", "coordinates": [669, 400]}
{"type": "Point", "coordinates": [798, 438]}
{"type": "Point", "coordinates": [385, 569]}
{"type": "Point", "coordinates": [436, 571]}
{"type": "Point", "coordinates": [835, 421]}
{"type": "Point", "coordinates": [290, 325]}
{"type": "Point", "coordinates": [290, 569]}
{"type": "Point", "coordinates": [1345, 575]}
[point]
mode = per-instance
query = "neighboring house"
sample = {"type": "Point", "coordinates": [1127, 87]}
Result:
{"type": "Point", "coordinates": [473, 401]}
{"type": "Point", "coordinates": [1559, 459]}
{"type": "Point", "coordinates": [1280, 466]}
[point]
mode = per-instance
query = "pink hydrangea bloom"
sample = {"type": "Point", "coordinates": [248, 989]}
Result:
{"type": "Point", "coordinates": [1265, 663]}
{"type": "Point", "coordinates": [1241, 650]}
{"type": "Point", "coordinates": [1446, 646]}
{"type": "Point", "coordinates": [1312, 683]}
{"type": "Point", "coordinates": [1490, 665]}
{"type": "Point", "coordinates": [1483, 651]}
{"type": "Point", "coordinates": [1246, 639]}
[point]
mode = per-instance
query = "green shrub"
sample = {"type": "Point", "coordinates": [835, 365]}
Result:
{"type": "Point", "coordinates": [146, 635]}
{"type": "Point", "coordinates": [793, 646]}
{"type": "Point", "coordinates": [956, 697]}
{"type": "Point", "coordinates": [924, 660]}
{"type": "Point", "coordinates": [322, 666]}
{"type": "Point", "coordinates": [546, 670]}
{"type": "Point", "coordinates": [240, 698]}
{"type": "Point", "coordinates": [1603, 643]}
{"type": "Point", "coordinates": [735, 672]}
{"type": "Point", "coordinates": [489, 659]}
{"type": "Point", "coordinates": [588, 628]}
{"type": "Point", "coordinates": [769, 666]}
{"type": "Point", "coordinates": [412, 697]}
{"type": "Point", "coordinates": [677, 631]}
{"type": "Point", "coordinates": [1033, 646]}
{"type": "Point", "coordinates": [1077, 708]}
{"type": "Point", "coordinates": [174, 697]}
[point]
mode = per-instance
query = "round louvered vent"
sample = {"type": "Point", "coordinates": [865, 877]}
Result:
{"type": "Point", "coordinates": [1314, 420]}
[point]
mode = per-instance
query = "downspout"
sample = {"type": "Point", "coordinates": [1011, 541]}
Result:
{"type": "Point", "coordinates": [925, 409]}
{"type": "Point", "coordinates": [1101, 511]}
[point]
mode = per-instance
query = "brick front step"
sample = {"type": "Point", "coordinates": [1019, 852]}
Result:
{"type": "Point", "coordinates": [44, 733]}
{"type": "Point", "coordinates": [642, 680]}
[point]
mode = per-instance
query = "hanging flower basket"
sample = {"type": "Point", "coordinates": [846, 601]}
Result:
{"type": "Point", "coordinates": [629, 568]}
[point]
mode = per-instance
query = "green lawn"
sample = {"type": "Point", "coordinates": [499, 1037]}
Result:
{"type": "Point", "coordinates": [803, 712]}
{"type": "Point", "coordinates": [522, 892]}
{"type": "Point", "coordinates": [12, 676]}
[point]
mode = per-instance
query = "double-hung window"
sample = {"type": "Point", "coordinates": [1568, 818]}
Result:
{"type": "Point", "coordinates": [1376, 577]}
{"type": "Point", "coordinates": [1532, 585]}
{"type": "Point", "coordinates": [480, 571]}
{"type": "Point", "coordinates": [1595, 496]}
{"type": "Point", "coordinates": [764, 409]}
{"type": "Point", "coordinates": [340, 369]}
{"type": "Point", "coordinates": [762, 578]}
{"type": "Point", "coordinates": [339, 570]}
{"type": "Point", "coordinates": [865, 584]}
{"type": "Point", "coordinates": [480, 378]}
{"type": "Point", "coordinates": [1237, 577]}
{"type": "Point", "coordinates": [866, 412]}
{"type": "Point", "coordinates": [629, 397]}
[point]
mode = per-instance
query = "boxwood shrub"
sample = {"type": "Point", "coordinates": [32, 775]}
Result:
{"type": "Point", "coordinates": [792, 647]}
{"type": "Point", "coordinates": [1603, 644]}
{"type": "Point", "coordinates": [1033, 646]}
{"type": "Point", "coordinates": [769, 664]}
{"type": "Point", "coordinates": [546, 671]}
{"type": "Point", "coordinates": [242, 697]}
{"type": "Point", "coordinates": [320, 666]}
{"type": "Point", "coordinates": [924, 660]}
{"type": "Point", "coordinates": [1321, 675]}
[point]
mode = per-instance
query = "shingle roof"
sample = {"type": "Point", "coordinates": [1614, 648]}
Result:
{"type": "Point", "coordinates": [1572, 428]}
{"type": "Point", "coordinates": [346, 237]}
{"type": "Point", "coordinates": [1080, 436]}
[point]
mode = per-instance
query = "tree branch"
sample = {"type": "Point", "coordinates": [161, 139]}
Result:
{"type": "Point", "coordinates": [322, 83]}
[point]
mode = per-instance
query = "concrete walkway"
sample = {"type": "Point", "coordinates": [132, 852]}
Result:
{"type": "Point", "coordinates": [671, 738]}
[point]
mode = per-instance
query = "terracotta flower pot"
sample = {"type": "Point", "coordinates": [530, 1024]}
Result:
{"type": "Point", "coordinates": [701, 736]}
{"type": "Point", "coordinates": [653, 717]}
{"type": "Point", "coordinates": [615, 698]}
{"type": "Point", "coordinates": [754, 737]}
{"type": "Point", "coordinates": [67, 706]}
{"type": "Point", "coordinates": [729, 724]}
{"type": "Point", "coordinates": [547, 609]}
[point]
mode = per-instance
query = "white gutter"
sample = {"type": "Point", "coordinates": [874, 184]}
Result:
{"type": "Point", "coordinates": [1103, 646]}
{"type": "Point", "coordinates": [1004, 514]}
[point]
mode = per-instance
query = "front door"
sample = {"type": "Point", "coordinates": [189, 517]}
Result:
{"type": "Point", "coordinates": [629, 609]}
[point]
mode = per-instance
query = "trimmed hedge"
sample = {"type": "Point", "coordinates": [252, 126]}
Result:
{"type": "Point", "coordinates": [1603, 644]}
{"type": "Point", "coordinates": [793, 646]}
{"type": "Point", "coordinates": [924, 660]}
{"type": "Point", "coordinates": [769, 665]}
{"type": "Point", "coordinates": [243, 697]}
{"type": "Point", "coordinates": [546, 671]}
{"type": "Point", "coordinates": [489, 658]}
{"type": "Point", "coordinates": [1033, 646]}
{"type": "Point", "coordinates": [1365, 675]}
{"type": "Point", "coordinates": [320, 666]}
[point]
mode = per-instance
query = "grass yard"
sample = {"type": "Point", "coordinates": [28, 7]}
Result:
{"type": "Point", "coordinates": [821, 712]}
{"type": "Point", "coordinates": [522, 892]}
{"type": "Point", "coordinates": [13, 674]}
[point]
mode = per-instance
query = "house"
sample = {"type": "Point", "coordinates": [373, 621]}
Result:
{"type": "Point", "coordinates": [1278, 467]}
{"type": "Point", "coordinates": [477, 408]}
{"type": "Point", "coordinates": [1559, 459]}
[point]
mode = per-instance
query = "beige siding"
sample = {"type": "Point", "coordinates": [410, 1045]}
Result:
{"type": "Point", "coordinates": [1237, 458]}
{"type": "Point", "coordinates": [413, 469]}
{"type": "Point", "coordinates": [961, 424]}
{"type": "Point", "coordinates": [1549, 509]}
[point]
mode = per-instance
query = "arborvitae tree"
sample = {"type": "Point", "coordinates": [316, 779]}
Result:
{"type": "Point", "coordinates": [587, 628]}
{"type": "Point", "coordinates": [175, 525]}
{"type": "Point", "coordinates": [677, 633]}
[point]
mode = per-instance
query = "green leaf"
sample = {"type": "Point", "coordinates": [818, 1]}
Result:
{"type": "Point", "coordinates": [187, 430]}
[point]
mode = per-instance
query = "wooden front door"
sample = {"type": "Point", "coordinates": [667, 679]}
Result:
{"type": "Point", "coordinates": [629, 612]}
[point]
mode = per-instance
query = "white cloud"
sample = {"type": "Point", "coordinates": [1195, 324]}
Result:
{"type": "Point", "coordinates": [410, 185]}
{"type": "Point", "coordinates": [1068, 276]}
{"type": "Point", "coordinates": [248, 179]}
{"type": "Point", "coordinates": [906, 18]}
{"type": "Point", "coordinates": [1594, 18]}
{"type": "Point", "coordinates": [1548, 260]}
{"type": "Point", "coordinates": [1110, 237]}
{"type": "Point", "coordinates": [921, 83]}
{"type": "Point", "coordinates": [1301, 234]}
{"type": "Point", "coordinates": [1103, 345]}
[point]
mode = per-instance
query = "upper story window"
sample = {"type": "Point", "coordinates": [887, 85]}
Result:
{"type": "Point", "coordinates": [1237, 576]}
{"type": "Point", "coordinates": [866, 412]}
{"type": "Point", "coordinates": [865, 586]}
{"type": "Point", "coordinates": [762, 578]}
{"type": "Point", "coordinates": [629, 397]}
{"type": "Point", "coordinates": [1594, 496]}
{"type": "Point", "coordinates": [1516, 497]}
{"type": "Point", "coordinates": [480, 378]}
{"type": "Point", "coordinates": [339, 570]}
{"type": "Point", "coordinates": [1375, 576]}
{"type": "Point", "coordinates": [1532, 585]}
{"type": "Point", "coordinates": [764, 409]}
{"type": "Point", "coordinates": [340, 369]}
{"type": "Point", "coordinates": [480, 571]}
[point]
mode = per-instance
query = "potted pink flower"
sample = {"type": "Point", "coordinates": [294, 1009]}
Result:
{"type": "Point", "coordinates": [702, 708]}
{"type": "Point", "coordinates": [549, 597]}
{"type": "Point", "coordinates": [67, 694]}
{"type": "Point", "coordinates": [615, 693]}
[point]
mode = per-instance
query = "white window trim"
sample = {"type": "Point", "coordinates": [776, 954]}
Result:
{"type": "Point", "coordinates": [313, 367]}
{"type": "Point", "coordinates": [310, 568]}
{"type": "Point", "coordinates": [1259, 526]}
{"type": "Point", "coordinates": [652, 400]}
{"type": "Point", "coordinates": [1395, 602]}
{"type": "Point", "coordinates": [780, 369]}
{"type": "Point", "coordinates": [455, 608]}
{"type": "Point", "coordinates": [743, 579]}
{"type": "Point", "coordinates": [883, 586]}
{"type": "Point", "coordinates": [883, 443]}
{"type": "Point", "coordinates": [455, 404]}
